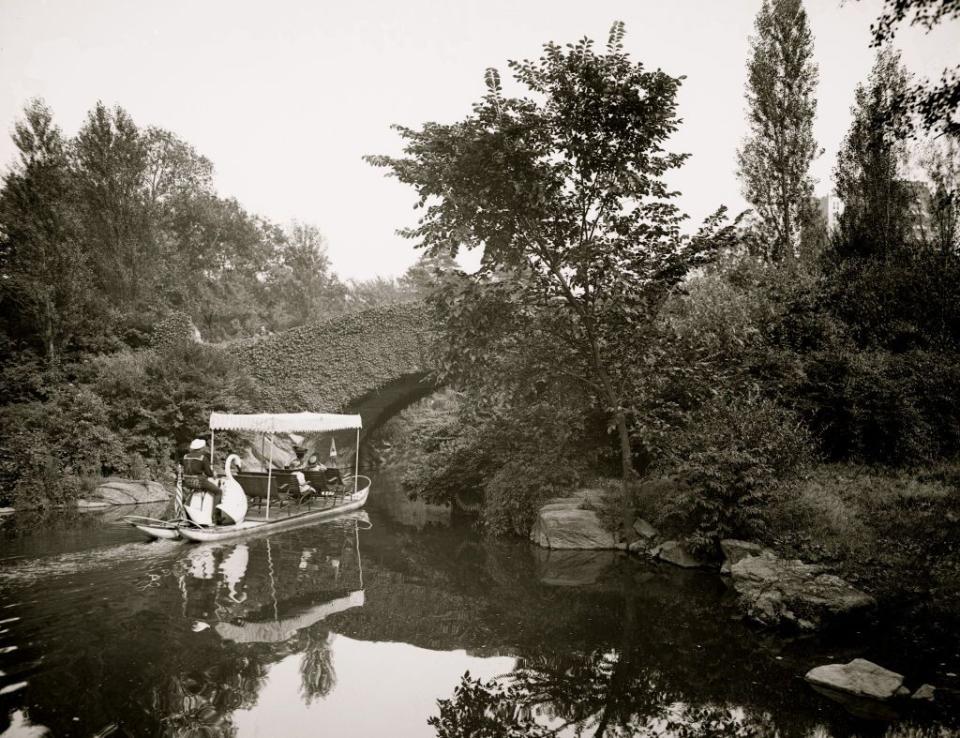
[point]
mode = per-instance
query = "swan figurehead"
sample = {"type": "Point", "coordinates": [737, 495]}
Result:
{"type": "Point", "coordinates": [228, 466]}
{"type": "Point", "coordinates": [233, 502]}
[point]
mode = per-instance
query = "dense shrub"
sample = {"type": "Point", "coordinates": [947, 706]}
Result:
{"type": "Point", "coordinates": [729, 457]}
{"type": "Point", "coordinates": [881, 407]}
{"type": "Point", "coordinates": [896, 531]}
{"type": "Point", "coordinates": [177, 327]}
{"type": "Point", "coordinates": [517, 489]}
{"type": "Point", "coordinates": [705, 342]}
{"type": "Point", "coordinates": [51, 449]}
{"type": "Point", "coordinates": [435, 455]}
{"type": "Point", "coordinates": [865, 351]}
{"type": "Point", "coordinates": [508, 456]}
{"type": "Point", "coordinates": [160, 399]}
{"type": "Point", "coordinates": [130, 415]}
{"type": "Point", "coordinates": [907, 300]}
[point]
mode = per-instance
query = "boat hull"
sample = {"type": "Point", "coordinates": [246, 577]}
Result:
{"type": "Point", "coordinates": [256, 527]}
{"type": "Point", "coordinates": [167, 534]}
{"type": "Point", "coordinates": [154, 527]}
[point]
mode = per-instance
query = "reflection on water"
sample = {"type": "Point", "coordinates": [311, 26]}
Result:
{"type": "Point", "coordinates": [344, 630]}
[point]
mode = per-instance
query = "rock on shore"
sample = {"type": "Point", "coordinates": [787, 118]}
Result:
{"type": "Point", "coordinates": [119, 491]}
{"type": "Point", "coordinates": [735, 551]}
{"type": "Point", "coordinates": [860, 678]}
{"type": "Point", "coordinates": [572, 522]}
{"type": "Point", "coordinates": [780, 592]}
{"type": "Point", "coordinates": [678, 554]}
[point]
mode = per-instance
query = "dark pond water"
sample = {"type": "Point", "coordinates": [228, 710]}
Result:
{"type": "Point", "coordinates": [358, 627]}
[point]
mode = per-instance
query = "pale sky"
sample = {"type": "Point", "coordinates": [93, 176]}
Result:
{"type": "Point", "coordinates": [286, 97]}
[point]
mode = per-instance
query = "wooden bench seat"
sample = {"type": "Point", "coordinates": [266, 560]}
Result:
{"type": "Point", "coordinates": [255, 483]}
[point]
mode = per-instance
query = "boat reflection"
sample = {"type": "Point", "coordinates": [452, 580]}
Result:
{"type": "Point", "coordinates": [269, 600]}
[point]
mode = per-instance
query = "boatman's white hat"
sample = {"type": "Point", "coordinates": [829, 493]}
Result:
{"type": "Point", "coordinates": [197, 443]}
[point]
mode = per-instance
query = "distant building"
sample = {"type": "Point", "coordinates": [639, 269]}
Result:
{"type": "Point", "coordinates": [921, 200]}
{"type": "Point", "coordinates": [830, 207]}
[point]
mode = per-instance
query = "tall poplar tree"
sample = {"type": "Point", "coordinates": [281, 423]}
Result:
{"type": "Point", "coordinates": [774, 159]}
{"type": "Point", "coordinates": [870, 164]}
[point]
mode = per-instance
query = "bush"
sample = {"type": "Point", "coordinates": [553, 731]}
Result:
{"type": "Point", "coordinates": [509, 456]}
{"type": "Point", "coordinates": [907, 300]}
{"type": "Point", "coordinates": [729, 457]}
{"type": "Point", "coordinates": [880, 407]}
{"type": "Point", "coordinates": [175, 328]}
{"type": "Point", "coordinates": [129, 418]}
{"type": "Point", "coordinates": [51, 449]}
{"type": "Point", "coordinates": [515, 491]}
{"type": "Point", "coordinates": [161, 399]}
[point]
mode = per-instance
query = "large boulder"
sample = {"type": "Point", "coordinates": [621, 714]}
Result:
{"type": "Point", "coordinates": [860, 678]}
{"type": "Point", "coordinates": [779, 592]}
{"type": "Point", "coordinates": [572, 522]}
{"type": "Point", "coordinates": [676, 553]}
{"type": "Point", "coordinates": [735, 551]}
{"type": "Point", "coordinates": [118, 491]}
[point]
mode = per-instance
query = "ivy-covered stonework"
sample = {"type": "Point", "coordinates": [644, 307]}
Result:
{"type": "Point", "coordinates": [325, 366]}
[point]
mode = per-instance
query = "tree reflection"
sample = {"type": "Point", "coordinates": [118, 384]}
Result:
{"type": "Point", "coordinates": [317, 675]}
{"type": "Point", "coordinates": [200, 703]}
{"type": "Point", "coordinates": [515, 706]}
{"type": "Point", "coordinates": [612, 692]}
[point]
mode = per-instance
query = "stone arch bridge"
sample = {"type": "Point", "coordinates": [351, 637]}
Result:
{"type": "Point", "coordinates": [374, 362]}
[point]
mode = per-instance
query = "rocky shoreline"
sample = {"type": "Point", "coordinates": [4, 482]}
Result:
{"type": "Point", "coordinates": [772, 592]}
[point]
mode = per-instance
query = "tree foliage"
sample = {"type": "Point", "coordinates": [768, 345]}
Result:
{"type": "Point", "coordinates": [105, 233]}
{"type": "Point", "coordinates": [774, 159]}
{"type": "Point", "coordinates": [564, 192]}
{"type": "Point", "coordinates": [937, 103]}
{"type": "Point", "coordinates": [871, 162]}
{"type": "Point", "coordinates": [305, 287]}
{"type": "Point", "coordinates": [48, 292]}
{"type": "Point", "coordinates": [941, 163]}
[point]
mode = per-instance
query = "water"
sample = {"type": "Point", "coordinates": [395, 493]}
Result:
{"type": "Point", "coordinates": [352, 628]}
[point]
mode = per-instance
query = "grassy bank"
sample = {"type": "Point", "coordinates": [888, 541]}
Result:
{"type": "Point", "coordinates": [894, 533]}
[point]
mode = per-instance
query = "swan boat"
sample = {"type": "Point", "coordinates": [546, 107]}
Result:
{"type": "Point", "coordinates": [193, 520]}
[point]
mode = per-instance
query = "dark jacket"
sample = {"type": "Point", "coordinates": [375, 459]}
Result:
{"type": "Point", "coordinates": [197, 464]}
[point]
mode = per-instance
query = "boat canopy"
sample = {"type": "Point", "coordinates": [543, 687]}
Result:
{"type": "Point", "coordinates": [284, 422]}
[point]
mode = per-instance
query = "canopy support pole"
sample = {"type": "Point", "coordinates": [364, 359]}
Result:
{"type": "Point", "coordinates": [356, 462]}
{"type": "Point", "coordinates": [269, 475]}
{"type": "Point", "coordinates": [212, 459]}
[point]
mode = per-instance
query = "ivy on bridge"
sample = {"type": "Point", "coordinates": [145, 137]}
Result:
{"type": "Point", "coordinates": [374, 362]}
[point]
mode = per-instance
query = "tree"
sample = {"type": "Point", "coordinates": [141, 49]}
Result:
{"type": "Point", "coordinates": [47, 288]}
{"type": "Point", "coordinates": [304, 287]}
{"type": "Point", "coordinates": [941, 162]}
{"type": "Point", "coordinates": [937, 104]}
{"type": "Point", "coordinates": [425, 275]}
{"type": "Point", "coordinates": [877, 203]}
{"type": "Point", "coordinates": [774, 160]}
{"type": "Point", "coordinates": [110, 163]}
{"type": "Point", "coordinates": [363, 294]}
{"type": "Point", "coordinates": [564, 193]}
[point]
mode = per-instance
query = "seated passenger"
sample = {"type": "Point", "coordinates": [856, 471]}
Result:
{"type": "Point", "coordinates": [303, 485]}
